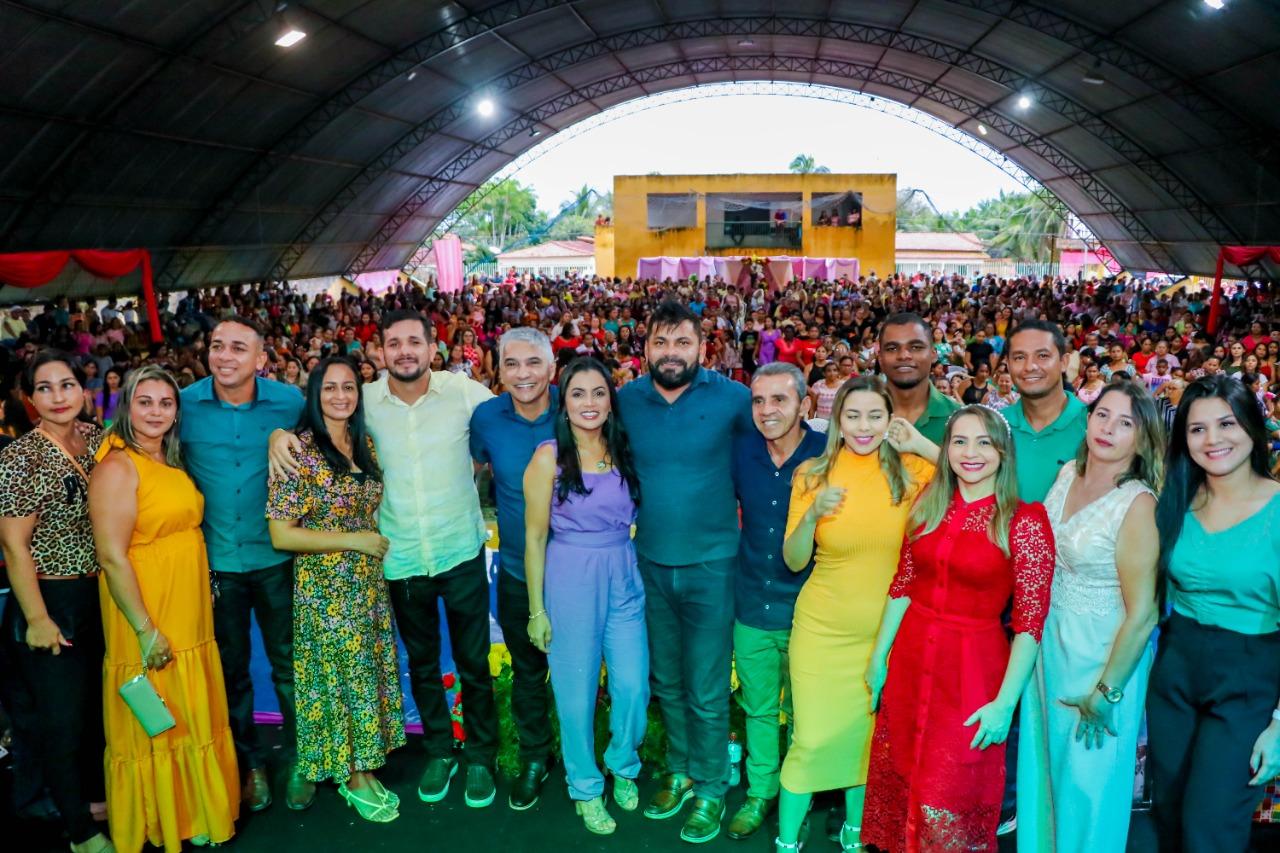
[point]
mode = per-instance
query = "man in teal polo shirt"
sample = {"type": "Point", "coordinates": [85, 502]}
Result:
{"type": "Point", "coordinates": [226, 420]}
{"type": "Point", "coordinates": [1048, 423]}
{"type": "Point", "coordinates": [681, 420]}
{"type": "Point", "coordinates": [905, 358]}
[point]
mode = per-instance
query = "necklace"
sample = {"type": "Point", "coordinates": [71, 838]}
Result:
{"type": "Point", "coordinates": [601, 465]}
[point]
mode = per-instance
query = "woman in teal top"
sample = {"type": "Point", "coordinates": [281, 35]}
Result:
{"type": "Point", "coordinates": [1211, 709]}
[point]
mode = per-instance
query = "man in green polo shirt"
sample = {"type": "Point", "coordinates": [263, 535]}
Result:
{"type": "Point", "coordinates": [1048, 423]}
{"type": "Point", "coordinates": [905, 358]}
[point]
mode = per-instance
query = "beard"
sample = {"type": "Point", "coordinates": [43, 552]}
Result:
{"type": "Point", "coordinates": [412, 376]}
{"type": "Point", "coordinates": [669, 381]}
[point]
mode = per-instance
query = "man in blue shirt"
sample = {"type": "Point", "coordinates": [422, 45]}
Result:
{"type": "Point", "coordinates": [681, 420]}
{"type": "Point", "coordinates": [226, 420]}
{"type": "Point", "coordinates": [765, 593]}
{"type": "Point", "coordinates": [504, 433]}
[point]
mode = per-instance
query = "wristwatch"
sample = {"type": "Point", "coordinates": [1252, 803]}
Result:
{"type": "Point", "coordinates": [1111, 694]}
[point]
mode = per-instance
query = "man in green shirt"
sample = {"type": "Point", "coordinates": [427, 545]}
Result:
{"type": "Point", "coordinates": [1048, 423]}
{"type": "Point", "coordinates": [906, 356]}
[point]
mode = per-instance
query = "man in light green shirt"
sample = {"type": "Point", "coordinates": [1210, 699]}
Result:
{"type": "Point", "coordinates": [420, 423]}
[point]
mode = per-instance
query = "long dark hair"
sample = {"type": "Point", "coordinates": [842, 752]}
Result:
{"type": "Point", "coordinates": [617, 445]}
{"type": "Point", "coordinates": [1183, 478]}
{"type": "Point", "coordinates": [313, 419]}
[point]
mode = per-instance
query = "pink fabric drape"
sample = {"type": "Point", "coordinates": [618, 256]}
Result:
{"type": "Point", "coordinates": [33, 269]}
{"type": "Point", "coordinates": [1239, 256]}
{"type": "Point", "coordinates": [449, 269]}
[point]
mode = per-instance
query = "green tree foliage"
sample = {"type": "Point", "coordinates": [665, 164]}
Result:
{"type": "Point", "coordinates": [572, 225]}
{"type": "Point", "coordinates": [1018, 226]}
{"type": "Point", "coordinates": [500, 214]}
{"type": "Point", "coordinates": [804, 164]}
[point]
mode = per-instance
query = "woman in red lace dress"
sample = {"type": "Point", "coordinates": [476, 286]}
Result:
{"type": "Point", "coordinates": [947, 694]}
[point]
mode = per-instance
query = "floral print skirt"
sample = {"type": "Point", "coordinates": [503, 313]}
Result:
{"type": "Point", "coordinates": [345, 668]}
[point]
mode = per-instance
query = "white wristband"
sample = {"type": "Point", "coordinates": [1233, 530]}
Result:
{"type": "Point", "coordinates": [1275, 715]}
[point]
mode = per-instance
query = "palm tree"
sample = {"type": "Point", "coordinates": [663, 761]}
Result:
{"type": "Point", "coordinates": [804, 164]}
{"type": "Point", "coordinates": [1029, 230]}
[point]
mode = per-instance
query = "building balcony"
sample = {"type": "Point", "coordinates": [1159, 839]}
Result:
{"type": "Point", "coordinates": [754, 235]}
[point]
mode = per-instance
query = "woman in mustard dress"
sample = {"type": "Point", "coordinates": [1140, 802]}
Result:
{"type": "Point", "coordinates": [183, 783]}
{"type": "Point", "coordinates": [850, 506]}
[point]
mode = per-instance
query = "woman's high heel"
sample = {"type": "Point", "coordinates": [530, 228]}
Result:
{"type": "Point", "coordinates": [595, 817]}
{"type": "Point", "coordinates": [375, 811]}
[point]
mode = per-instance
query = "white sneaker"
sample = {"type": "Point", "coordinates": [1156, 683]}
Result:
{"type": "Point", "coordinates": [1008, 826]}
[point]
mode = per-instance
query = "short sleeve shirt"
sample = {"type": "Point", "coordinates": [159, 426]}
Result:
{"type": "Point", "coordinates": [1041, 454]}
{"type": "Point", "coordinates": [683, 452]}
{"type": "Point", "coordinates": [225, 448]}
{"type": "Point", "coordinates": [37, 478]}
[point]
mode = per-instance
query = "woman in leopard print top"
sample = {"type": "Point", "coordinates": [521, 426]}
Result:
{"type": "Point", "coordinates": [53, 627]}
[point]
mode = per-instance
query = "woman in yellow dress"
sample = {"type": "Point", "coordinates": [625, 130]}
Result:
{"type": "Point", "coordinates": [183, 783]}
{"type": "Point", "coordinates": [850, 506]}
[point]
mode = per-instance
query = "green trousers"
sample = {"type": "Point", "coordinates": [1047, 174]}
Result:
{"type": "Point", "coordinates": [765, 681]}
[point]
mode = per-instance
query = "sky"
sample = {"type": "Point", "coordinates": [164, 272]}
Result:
{"type": "Point", "coordinates": [714, 135]}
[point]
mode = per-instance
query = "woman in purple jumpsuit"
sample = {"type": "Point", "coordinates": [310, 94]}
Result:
{"type": "Point", "coordinates": [586, 599]}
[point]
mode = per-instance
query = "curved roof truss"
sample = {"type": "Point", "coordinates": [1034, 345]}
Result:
{"type": "Point", "coordinates": [234, 160]}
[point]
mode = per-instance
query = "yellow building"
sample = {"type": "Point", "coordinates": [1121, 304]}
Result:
{"type": "Point", "coordinates": [739, 215]}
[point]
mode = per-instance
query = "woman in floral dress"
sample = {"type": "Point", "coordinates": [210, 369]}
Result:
{"type": "Point", "coordinates": [344, 652]}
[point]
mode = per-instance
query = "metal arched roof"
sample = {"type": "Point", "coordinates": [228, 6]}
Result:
{"type": "Point", "coordinates": [183, 127]}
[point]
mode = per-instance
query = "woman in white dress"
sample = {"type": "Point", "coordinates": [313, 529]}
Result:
{"type": "Point", "coordinates": [1082, 711]}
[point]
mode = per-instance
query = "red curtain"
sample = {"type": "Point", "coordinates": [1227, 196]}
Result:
{"type": "Point", "coordinates": [1239, 256]}
{"type": "Point", "coordinates": [33, 269]}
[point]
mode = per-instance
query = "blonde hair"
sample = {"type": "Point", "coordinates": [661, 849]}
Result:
{"type": "Point", "coordinates": [817, 471]}
{"type": "Point", "coordinates": [122, 426]}
{"type": "Point", "coordinates": [933, 504]}
{"type": "Point", "coordinates": [1148, 457]}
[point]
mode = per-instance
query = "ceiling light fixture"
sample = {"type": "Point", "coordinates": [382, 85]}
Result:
{"type": "Point", "coordinates": [533, 131]}
{"type": "Point", "coordinates": [982, 129]}
{"type": "Point", "coordinates": [1094, 76]}
{"type": "Point", "coordinates": [290, 38]}
{"type": "Point", "coordinates": [413, 74]}
{"type": "Point", "coordinates": [1023, 102]}
{"type": "Point", "coordinates": [1215, 4]}
{"type": "Point", "coordinates": [746, 42]}
{"type": "Point", "coordinates": [485, 107]}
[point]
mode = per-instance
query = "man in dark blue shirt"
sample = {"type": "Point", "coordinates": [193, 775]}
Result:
{"type": "Point", "coordinates": [504, 433]}
{"type": "Point", "coordinates": [681, 420]}
{"type": "Point", "coordinates": [765, 593]}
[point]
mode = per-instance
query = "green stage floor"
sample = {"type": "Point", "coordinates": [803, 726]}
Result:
{"type": "Point", "coordinates": [450, 827]}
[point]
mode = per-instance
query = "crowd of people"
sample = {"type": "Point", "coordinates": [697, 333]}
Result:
{"type": "Point", "coordinates": [933, 523]}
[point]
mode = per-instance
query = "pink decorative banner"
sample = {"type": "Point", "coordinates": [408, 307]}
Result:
{"type": "Point", "coordinates": [449, 269]}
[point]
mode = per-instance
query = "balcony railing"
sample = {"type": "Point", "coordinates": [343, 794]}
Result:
{"type": "Point", "coordinates": [754, 235]}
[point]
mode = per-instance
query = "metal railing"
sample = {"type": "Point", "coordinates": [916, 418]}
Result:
{"type": "Point", "coordinates": [754, 235]}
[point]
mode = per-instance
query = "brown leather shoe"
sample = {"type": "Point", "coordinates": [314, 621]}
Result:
{"type": "Point", "coordinates": [666, 802]}
{"type": "Point", "coordinates": [299, 792]}
{"type": "Point", "coordinates": [703, 823]}
{"type": "Point", "coordinates": [256, 792]}
{"type": "Point", "coordinates": [749, 817]}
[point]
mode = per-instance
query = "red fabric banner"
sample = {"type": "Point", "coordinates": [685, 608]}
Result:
{"type": "Point", "coordinates": [33, 269]}
{"type": "Point", "coordinates": [1239, 256]}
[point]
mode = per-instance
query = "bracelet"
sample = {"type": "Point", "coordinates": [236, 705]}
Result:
{"type": "Point", "coordinates": [542, 612]}
{"type": "Point", "coordinates": [1275, 715]}
{"type": "Point", "coordinates": [143, 626]}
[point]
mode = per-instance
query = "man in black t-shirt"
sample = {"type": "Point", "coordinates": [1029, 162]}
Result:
{"type": "Point", "coordinates": [747, 342]}
{"type": "Point", "coordinates": [979, 352]}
